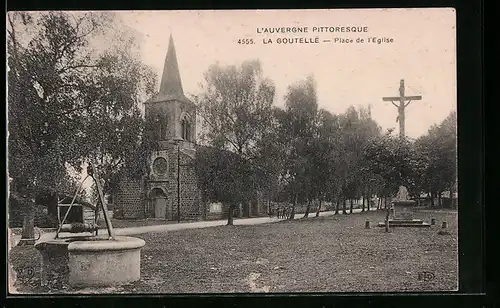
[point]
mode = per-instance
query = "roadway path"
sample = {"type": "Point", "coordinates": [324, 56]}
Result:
{"type": "Point", "coordinates": [180, 226]}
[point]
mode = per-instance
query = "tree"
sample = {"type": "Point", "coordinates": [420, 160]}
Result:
{"type": "Point", "coordinates": [324, 163]}
{"type": "Point", "coordinates": [350, 158]}
{"type": "Point", "coordinates": [236, 110]}
{"type": "Point", "coordinates": [368, 130]}
{"type": "Point", "coordinates": [114, 134]}
{"type": "Point", "coordinates": [66, 99]}
{"type": "Point", "coordinates": [235, 107]}
{"type": "Point", "coordinates": [388, 157]}
{"type": "Point", "coordinates": [224, 176]}
{"type": "Point", "coordinates": [41, 104]}
{"type": "Point", "coordinates": [438, 152]}
{"type": "Point", "coordinates": [270, 158]}
{"type": "Point", "coordinates": [299, 131]}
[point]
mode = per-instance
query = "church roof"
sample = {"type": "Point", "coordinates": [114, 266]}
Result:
{"type": "Point", "coordinates": [171, 85]}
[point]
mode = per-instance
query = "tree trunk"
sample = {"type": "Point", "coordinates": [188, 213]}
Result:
{"type": "Point", "coordinates": [350, 206]}
{"type": "Point", "coordinates": [230, 215]}
{"type": "Point", "coordinates": [440, 201]}
{"type": "Point", "coordinates": [385, 203]}
{"type": "Point", "coordinates": [28, 233]}
{"type": "Point", "coordinates": [292, 214]}
{"type": "Point", "coordinates": [387, 221]}
{"type": "Point", "coordinates": [432, 200]}
{"type": "Point", "coordinates": [52, 206]}
{"type": "Point", "coordinates": [363, 206]}
{"type": "Point", "coordinates": [319, 208]}
{"type": "Point", "coordinates": [337, 206]}
{"type": "Point", "coordinates": [344, 206]}
{"type": "Point", "coordinates": [368, 199]}
{"type": "Point", "coordinates": [204, 210]}
{"type": "Point", "coordinates": [306, 214]}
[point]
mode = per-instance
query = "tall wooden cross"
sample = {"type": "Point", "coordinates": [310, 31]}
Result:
{"type": "Point", "coordinates": [402, 105]}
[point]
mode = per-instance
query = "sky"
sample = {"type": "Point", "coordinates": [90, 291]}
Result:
{"type": "Point", "coordinates": [422, 52]}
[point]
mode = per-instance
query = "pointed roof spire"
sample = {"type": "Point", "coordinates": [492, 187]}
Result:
{"type": "Point", "coordinates": [171, 80]}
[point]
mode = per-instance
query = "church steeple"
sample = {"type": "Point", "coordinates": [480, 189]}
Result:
{"type": "Point", "coordinates": [171, 80]}
{"type": "Point", "coordinates": [174, 114]}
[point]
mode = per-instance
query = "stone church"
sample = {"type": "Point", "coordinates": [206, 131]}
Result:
{"type": "Point", "coordinates": [166, 193]}
{"type": "Point", "coordinates": [174, 118]}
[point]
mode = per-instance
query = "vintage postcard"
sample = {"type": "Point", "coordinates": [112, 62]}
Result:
{"type": "Point", "coordinates": [257, 151]}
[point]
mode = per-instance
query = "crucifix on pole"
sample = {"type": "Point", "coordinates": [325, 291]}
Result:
{"type": "Point", "coordinates": [402, 105]}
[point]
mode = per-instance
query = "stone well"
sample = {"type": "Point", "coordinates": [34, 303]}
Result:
{"type": "Point", "coordinates": [103, 262]}
{"type": "Point", "coordinates": [92, 261]}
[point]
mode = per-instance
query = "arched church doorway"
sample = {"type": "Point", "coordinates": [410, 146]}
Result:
{"type": "Point", "coordinates": [159, 200]}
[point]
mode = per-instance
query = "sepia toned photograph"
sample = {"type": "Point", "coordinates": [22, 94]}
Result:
{"type": "Point", "coordinates": [256, 151]}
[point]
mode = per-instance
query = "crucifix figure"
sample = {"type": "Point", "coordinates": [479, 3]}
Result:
{"type": "Point", "coordinates": [402, 105]}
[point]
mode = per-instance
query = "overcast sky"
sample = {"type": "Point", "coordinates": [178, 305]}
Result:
{"type": "Point", "coordinates": [423, 54]}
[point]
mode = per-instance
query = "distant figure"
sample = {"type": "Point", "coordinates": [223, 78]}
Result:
{"type": "Point", "coordinates": [286, 213]}
{"type": "Point", "coordinates": [281, 212]}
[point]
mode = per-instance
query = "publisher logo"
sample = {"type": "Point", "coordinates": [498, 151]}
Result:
{"type": "Point", "coordinates": [425, 276]}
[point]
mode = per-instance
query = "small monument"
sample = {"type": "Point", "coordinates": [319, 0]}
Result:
{"type": "Point", "coordinates": [402, 211]}
{"type": "Point", "coordinates": [402, 206]}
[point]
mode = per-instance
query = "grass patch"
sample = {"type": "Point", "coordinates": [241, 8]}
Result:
{"type": "Point", "coordinates": [324, 254]}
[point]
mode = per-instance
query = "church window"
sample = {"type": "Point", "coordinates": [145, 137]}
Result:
{"type": "Point", "coordinates": [160, 166]}
{"type": "Point", "coordinates": [186, 128]}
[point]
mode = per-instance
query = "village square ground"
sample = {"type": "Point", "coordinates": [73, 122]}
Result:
{"type": "Point", "coordinates": [330, 253]}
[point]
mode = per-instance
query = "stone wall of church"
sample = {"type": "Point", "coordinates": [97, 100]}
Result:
{"type": "Point", "coordinates": [129, 202]}
{"type": "Point", "coordinates": [167, 117]}
{"type": "Point", "coordinates": [190, 197]}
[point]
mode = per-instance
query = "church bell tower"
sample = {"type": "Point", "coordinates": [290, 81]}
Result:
{"type": "Point", "coordinates": [171, 115]}
{"type": "Point", "coordinates": [170, 189]}
{"type": "Point", "coordinates": [171, 119]}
